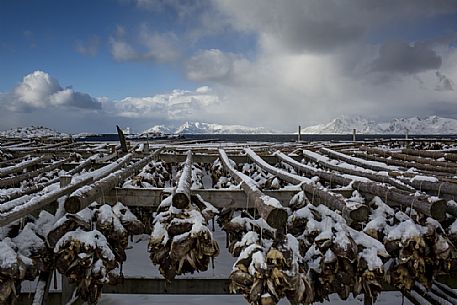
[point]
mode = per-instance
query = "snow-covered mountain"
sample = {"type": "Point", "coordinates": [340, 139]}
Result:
{"type": "Point", "coordinates": [32, 132]}
{"type": "Point", "coordinates": [206, 128]}
{"type": "Point", "coordinates": [414, 125]}
{"type": "Point", "coordinates": [159, 129]}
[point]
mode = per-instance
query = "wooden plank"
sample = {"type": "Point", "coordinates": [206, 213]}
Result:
{"type": "Point", "coordinates": [201, 286]}
{"type": "Point", "coordinates": [210, 158]}
{"type": "Point", "coordinates": [180, 286]}
{"type": "Point", "coordinates": [220, 198]}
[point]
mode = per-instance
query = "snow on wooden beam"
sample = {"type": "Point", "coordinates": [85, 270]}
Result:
{"type": "Point", "coordinates": [81, 198]}
{"type": "Point", "coordinates": [22, 165]}
{"type": "Point", "coordinates": [392, 196]}
{"type": "Point", "coordinates": [405, 161]}
{"type": "Point", "coordinates": [407, 157]}
{"type": "Point", "coordinates": [37, 203]}
{"type": "Point", "coordinates": [354, 212]}
{"type": "Point", "coordinates": [269, 208]}
{"type": "Point", "coordinates": [181, 197]}
{"type": "Point", "coordinates": [19, 178]}
{"type": "Point", "coordinates": [220, 198]}
{"type": "Point", "coordinates": [431, 154]}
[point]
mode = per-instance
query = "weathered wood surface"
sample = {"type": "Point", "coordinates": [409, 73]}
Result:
{"type": "Point", "coordinates": [181, 198]}
{"type": "Point", "coordinates": [401, 164]}
{"type": "Point", "coordinates": [103, 184]}
{"type": "Point", "coordinates": [182, 286]}
{"type": "Point", "coordinates": [361, 163]}
{"type": "Point", "coordinates": [449, 156]}
{"type": "Point", "coordinates": [374, 176]}
{"type": "Point", "coordinates": [19, 178]}
{"type": "Point", "coordinates": [40, 202]}
{"type": "Point", "coordinates": [21, 166]}
{"type": "Point", "coordinates": [220, 198]}
{"type": "Point", "coordinates": [269, 209]}
{"type": "Point", "coordinates": [405, 163]}
{"type": "Point", "coordinates": [122, 139]}
{"type": "Point", "coordinates": [210, 158]}
{"type": "Point", "coordinates": [409, 158]}
{"type": "Point", "coordinates": [358, 213]}
{"type": "Point", "coordinates": [392, 196]}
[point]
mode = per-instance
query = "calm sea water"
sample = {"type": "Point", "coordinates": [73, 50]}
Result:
{"type": "Point", "coordinates": [278, 137]}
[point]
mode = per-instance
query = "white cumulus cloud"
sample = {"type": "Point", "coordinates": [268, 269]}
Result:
{"type": "Point", "coordinates": [39, 90]}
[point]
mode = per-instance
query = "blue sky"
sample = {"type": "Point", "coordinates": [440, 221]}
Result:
{"type": "Point", "coordinates": [92, 64]}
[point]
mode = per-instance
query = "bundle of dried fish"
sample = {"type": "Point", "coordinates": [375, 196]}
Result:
{"type": "Point", "coordinates": [87, 260]}
{"type": "Point", "coordinates": [219, 177]}
{"type": "Point", "coordinates": [341, 259]}
{"type": "Point", "coordinates": [14, 268]}
{"type": "Point", "coordinates": [130, 222]}
{"type": "Point", "coordinates": [180, 241]}
{"type": "Point", "coordinates": [155, 174]}
{"type": "Point", "coordinates": [88, 257]}
{"type": "Point", "coordinates": [419, 250]}
{"type": "Point", "coordinates": [266, 270]}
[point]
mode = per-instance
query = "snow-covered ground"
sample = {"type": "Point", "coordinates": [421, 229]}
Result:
{"type": "Point", "coordinates": [32, 132]}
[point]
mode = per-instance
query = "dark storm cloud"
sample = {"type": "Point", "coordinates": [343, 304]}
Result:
{"type": "Point", "coordinates": [444, 83]}
{"type": "Point", "coordinates": [400, 57]}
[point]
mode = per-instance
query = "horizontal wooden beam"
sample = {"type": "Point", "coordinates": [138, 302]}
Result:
{"type": "Point", "coordinates": [180, 286]}
{"type": "Point", "coordinates": [212, 286]}
{"type": "Point", "coordinates": [220, 198]}
{"type": "Point", "coordinates": [210, 158]}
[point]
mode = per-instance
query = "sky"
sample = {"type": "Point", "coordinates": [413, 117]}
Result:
{"type": "Point", "coordinates": [87, 65]}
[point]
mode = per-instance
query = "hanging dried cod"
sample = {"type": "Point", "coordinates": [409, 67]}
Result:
{"type": "Point", "coordinates": [89, 258]}
{"type": "Point", "coordinates": [180, 241]}
{"type": "Point", "coordinates": [266, 270]}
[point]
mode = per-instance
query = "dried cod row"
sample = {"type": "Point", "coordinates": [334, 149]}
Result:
{"type": "Point", "coordinates": [419, 248]}
{"type": "Point", "coordinates": [341, 259]}
{"type": "Point", "coordinates": [154, 174]}
{"type": "Point", "coordinates": [266, 270]}
{"type": "Point", "coordinates": [180, 241]}
{"type": "Point", "coordinates": [89, 257]}
{"type": "Point", "coordinates": [23, 254]}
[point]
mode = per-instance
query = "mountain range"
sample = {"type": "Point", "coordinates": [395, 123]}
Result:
{"type": "Point", "coordinates": [206, 128]}
{"type": "Point", "coordinates": [414, 125]}
{"type": "Point", "coordinates": [339, 125]}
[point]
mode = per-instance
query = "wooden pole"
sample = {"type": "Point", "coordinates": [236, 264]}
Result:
{"type": "Point", "coordinates": [90, 193]}
{"type": "Point", "coordinates": [122, 139]}
{"type": "Point", "coordinates": [299, 133]}
{"type": "Point", "coordinates": [391, 195]}
{"type": "Point", "coordinates": [269, 208]}
{"type": "Point", "coordinates": [181, 198]}
{"type": "Point", "coordinates": [355, 212]}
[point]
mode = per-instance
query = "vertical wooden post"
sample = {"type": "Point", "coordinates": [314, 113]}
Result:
{"type": "Point", "coordinates": [67, 288]}
{"type": "Point", "coordinates": [354, 131]}
{"type": "Point", "coordinates": [64, 180]}
{"type": "Point", "coordinates": [299, 133]}
{"type": "Point", "coordinates": [122, 139]}
{"type": "Point", "coordinates": [146, 148]}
